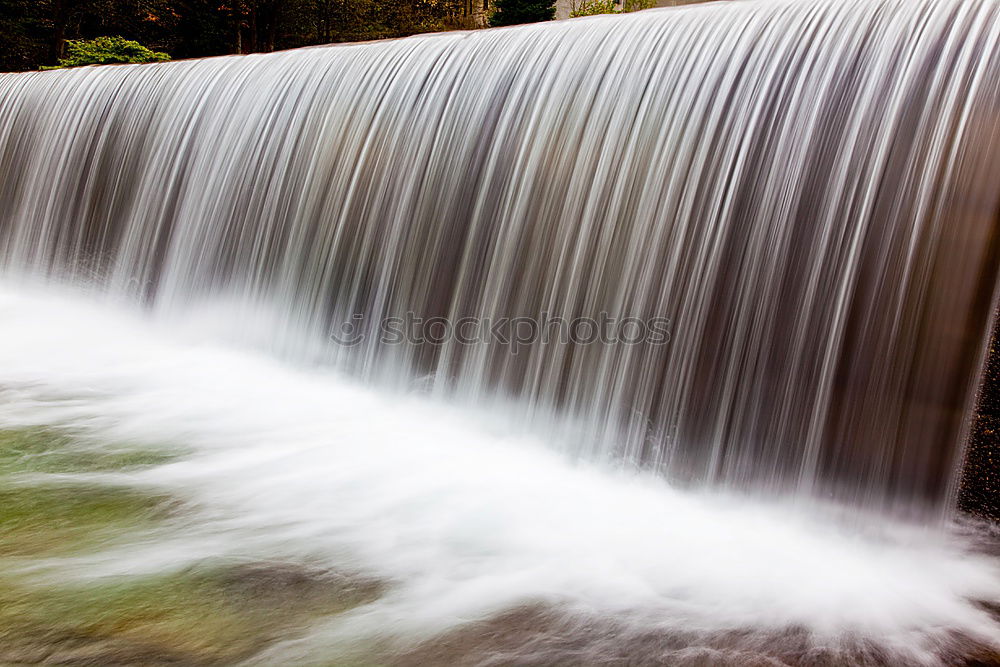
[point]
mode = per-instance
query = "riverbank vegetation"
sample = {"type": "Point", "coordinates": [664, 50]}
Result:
{"type": "Point", "coordinates": [106, 51]}
{"type": "Point", "coordinates": [36, 33]}
{"type": "Point", "coordinates": [51, 34]}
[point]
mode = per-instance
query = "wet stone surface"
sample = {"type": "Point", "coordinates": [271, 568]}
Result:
{"type": "Point", "coordinates": [980, 491]}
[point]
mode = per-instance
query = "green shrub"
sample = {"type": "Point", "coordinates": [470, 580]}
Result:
{"type": "Point", "coordinates": [107, 51]}
{"type": "Point", "coordinates": [592, 7]}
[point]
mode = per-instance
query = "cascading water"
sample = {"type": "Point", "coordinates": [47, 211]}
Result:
{"type": "Point", "coordinates": [798, 197]}
{"type": "Point", "coordinates": [799, 190]}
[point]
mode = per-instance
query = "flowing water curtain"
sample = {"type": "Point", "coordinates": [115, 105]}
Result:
{"type": "Point", "coordinates": [803, 189]}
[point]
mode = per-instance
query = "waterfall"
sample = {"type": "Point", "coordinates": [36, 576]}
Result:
{"type": "Point", "coordinates": [782, 214]}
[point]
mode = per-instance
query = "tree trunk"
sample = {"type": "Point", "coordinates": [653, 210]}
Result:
{"type": "Point", "coordinates": [238, 26]}
{"type": "Point", "coordinates": [60, 18]}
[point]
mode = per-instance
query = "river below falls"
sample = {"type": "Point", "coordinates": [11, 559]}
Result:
{"type": "Point", "coordinates": [487, 545]}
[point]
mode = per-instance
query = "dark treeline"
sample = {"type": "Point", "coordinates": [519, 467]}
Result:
{"type": "Point", "coordinates": [34, 32]}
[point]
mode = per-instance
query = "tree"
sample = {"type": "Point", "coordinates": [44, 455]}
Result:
{"type": "Point", "coordinates": [514, 12]}
{"type": "Point", "coordinates": [107, 51]}
{"type": "Point", "coordinates": [36, 32]}
{"type": "Point", "coordinates": [23, 35]}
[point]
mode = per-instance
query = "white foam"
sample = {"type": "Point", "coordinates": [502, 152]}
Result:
{"type": "Point", "coordinates": [464, 521]}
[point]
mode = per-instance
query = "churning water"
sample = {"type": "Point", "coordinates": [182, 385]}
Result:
{"type": "Point", "coordinates": [466, 521]}
{"type": "Point", "coordinates": [798, 197]}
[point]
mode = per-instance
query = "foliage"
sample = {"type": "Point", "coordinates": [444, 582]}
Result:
{"type": "Point", "coordinates": [593, 7]}
{"type": "Point", "coordinates": [107, 51]}
{"type": "Point", "coordinates": [20, 32]}
{"type": "Point", "coordinates": [38, 32]}
{"type": "Point", "coordinates": [515, 12]}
